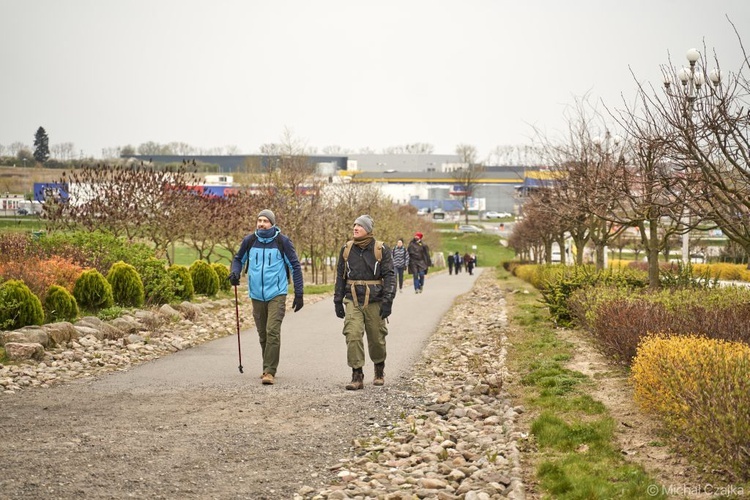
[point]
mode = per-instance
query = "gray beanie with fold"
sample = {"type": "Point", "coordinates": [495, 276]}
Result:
{"type": "Point", "coordinates": [268, 215]}
{"type": "Point", "coordinates": [366, 222]}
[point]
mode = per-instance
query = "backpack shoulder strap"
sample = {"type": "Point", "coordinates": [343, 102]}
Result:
{"type": "Point", "coordinates": [378, 250]}
{"type": "Point", "coordinates": [347, 249]}
{"type": "Point", "coordinates": [251, 241]}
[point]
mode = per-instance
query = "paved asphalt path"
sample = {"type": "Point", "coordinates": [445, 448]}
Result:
{"type": "Point", "coordinates": [313, 350]}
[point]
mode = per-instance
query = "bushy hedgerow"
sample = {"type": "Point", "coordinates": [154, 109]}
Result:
{"type": "Point", "coordinates": [222, 272]}
{"type": "Point", "coordinates": [205, 279]}
{"type": "Point", "coordinates": [619, 318]}
{"type": "Point", "coordinates": [700, 388]}
{"type": "Point", "coordinates": [158, 285]}
{"type": "Point", "coordinates": [94, 249]}
{"type": "Point", "coordinates": [60, 305]}
{"type": "Point", "coordinates": [16, 247]}
{"type": "Point", "coordinates": [19, 307]}
{"type": "Point", "coordinates": [92, 291]}
{"type": "Point", "coordinates": [127, 286]}
{"type": "Point", "coordinates": [558, 283]}
{"type": "Point", "coordinates": [183, 281]}
{"type": "Point", "coordinates": [40, 274]}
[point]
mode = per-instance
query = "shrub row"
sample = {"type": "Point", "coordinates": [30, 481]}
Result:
{"type": "Point", "coordinates": [700, 388]}
{"type": "Point", "coordinates": [125, 285]}
{"type": "Point", "coordinates": [558, 283]}
{"type": "Point", "coordinates": [86, 249]}
{"type": "Point", "coordinates": [618, 318]}
{"type": "Point", "coordinates": [695, 375]}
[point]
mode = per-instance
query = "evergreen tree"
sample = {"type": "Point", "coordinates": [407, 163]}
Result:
{"type": "Point", "coordinates": [41, 145]}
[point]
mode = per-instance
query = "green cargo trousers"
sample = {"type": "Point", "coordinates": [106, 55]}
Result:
{"type": "Point", "coordinates": [268, 317]}
{"type": "Point", "coordinates": [360, 320]}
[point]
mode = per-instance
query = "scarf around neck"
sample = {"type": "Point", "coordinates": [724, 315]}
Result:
{"type": "Point", "coordinates": [266, 235]}
{"type": "Point", "coordinates": [363, 241]}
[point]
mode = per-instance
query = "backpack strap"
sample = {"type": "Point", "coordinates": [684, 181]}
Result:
{"type": "Point", "coordinates": [378, 250]}
{"type": "Point", "coordinates": [249, 246]}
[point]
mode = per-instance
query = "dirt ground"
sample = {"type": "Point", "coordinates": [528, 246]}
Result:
{"type": "Point", "coordinates": [74, 441]}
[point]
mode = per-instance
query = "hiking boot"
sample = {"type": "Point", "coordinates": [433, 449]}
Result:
{"type": "Point", "coordinates": [379, 374]}
{"type": "Point", "coordinates": [266, 379]}
{"type": "Point", "coordinates": [357, 380]}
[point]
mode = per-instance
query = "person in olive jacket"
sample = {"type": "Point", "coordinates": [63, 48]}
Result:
{"type": "Point", "coordinates": [363, 297]}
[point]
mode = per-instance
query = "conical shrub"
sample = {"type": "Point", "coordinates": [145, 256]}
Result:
{"type": "Point", "coordinates": [127, 286]}
{"type": "Point", "coordinates": [19, 306]}
{"type": "Point", "coordinates": [92, 291]}
{"type": "Point", "coordinates": [60, 305]}
{"type": "Point", "coordinates": [205, 279]}
{"type": "Point", "coordinates": [158, 284]}
{"type": "Point", "coordinates": [222, 272]}
{"type": "Point", "coordinates": [183, 281]}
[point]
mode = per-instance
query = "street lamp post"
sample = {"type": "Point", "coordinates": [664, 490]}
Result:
{"type": "Point", "coordinates": [692, 80]}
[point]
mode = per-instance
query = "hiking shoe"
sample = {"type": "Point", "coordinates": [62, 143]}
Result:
{"type": "Point", "coordinates": [357, 382]}
{"type": "Point", "coordinates": [267, 379]}
{"type": "Point", "coordinates": [379, 374]}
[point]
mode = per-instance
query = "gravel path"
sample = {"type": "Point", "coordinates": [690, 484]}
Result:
{"type": "Point", "coordinates": [444, 429]}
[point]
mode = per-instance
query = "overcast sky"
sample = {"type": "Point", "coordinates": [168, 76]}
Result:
{"type": "Point", "coordinates": [108, 73]}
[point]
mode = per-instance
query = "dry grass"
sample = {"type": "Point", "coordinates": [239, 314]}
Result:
{"type": "Point", "coordinates": [19, 180]}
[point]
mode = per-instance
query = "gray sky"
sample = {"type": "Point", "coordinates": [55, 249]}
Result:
{"type": "Point", "coordinates": [107, 73]}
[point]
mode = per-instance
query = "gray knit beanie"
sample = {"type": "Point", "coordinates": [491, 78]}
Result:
{"type": "Point", "coordinates": [268, 215]}
{"type": "Point", "coordinates": [366, 222]}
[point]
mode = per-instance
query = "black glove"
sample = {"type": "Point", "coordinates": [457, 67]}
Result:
{"type": "Point", "coordinates": [340, 312]}
{"type": "Point", "coordinates": [385, 309]}
{"type": "Point", "coordinates": [297, 303]}
{"type": "Point", "coordinates": [234, 278]}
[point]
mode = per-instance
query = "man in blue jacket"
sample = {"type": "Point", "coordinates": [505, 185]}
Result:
{"type": "Point", "coordinates": [270, 256]}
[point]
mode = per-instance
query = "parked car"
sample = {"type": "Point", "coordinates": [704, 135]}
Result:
{"type": "Point", "coordinates": [468, 228]}
{"type": "Point", "coordinates": [497, 215]}
{"type": "Point", "coordinates": [22, 211]}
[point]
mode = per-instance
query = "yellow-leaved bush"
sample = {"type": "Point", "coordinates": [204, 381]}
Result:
{"type": "Point", "coordinates": [700, 389]}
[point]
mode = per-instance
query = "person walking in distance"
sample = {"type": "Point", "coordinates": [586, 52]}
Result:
{"type": "Point", "coordinates": [451, 260]}
{"type": "Point", "coordinates": [469, 262]}
{"type": "Point", "coordinates": [457, 262]}
{"type": "Point", "coordinates": [400, 262]}
{"type": "Point", "coordinates": [363, 297]}
{"type": "Point", "coordinates": [419, 261]}
{"type": "Point", "coordinates": [270, 257]}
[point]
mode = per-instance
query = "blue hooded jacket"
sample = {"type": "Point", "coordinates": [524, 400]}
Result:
{"type": "Point", "coordinates": [267, 264]}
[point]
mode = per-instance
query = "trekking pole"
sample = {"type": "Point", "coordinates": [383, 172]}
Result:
{"type": "Point", "coordinates": [237, 313]}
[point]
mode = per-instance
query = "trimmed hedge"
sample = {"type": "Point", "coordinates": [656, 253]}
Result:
{"type": "Point", "coordinates": [183, 281]}
{"type": "Point", "coordinates": [92, 291]}
{"type": "Point", "coordinates": [700, 388]}
{"type": "Point", "coordinates": [19, 307]}
{"type": "Point", "coordinates": [205, 279]}
{"type": "Point", "coordinates": [127, 286]}
{"type": "Point", "coordinates": [60, 305]}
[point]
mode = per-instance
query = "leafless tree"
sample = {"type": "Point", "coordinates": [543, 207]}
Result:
{"type": "Point", "coordinates": [133, 202]}
{"type": "Point", "coordinates": [652, 194]}
{"type": "Point", "coordinates": [710, 138]}
{"type": "Point", "coordinates": [585, 169]}
{"type": "Point", "coordinates": [468, 174]}
{"type": "Point", "coordinates": [417, 148]}
{"type": "Point", "coordinates": [335, 150]}
{"type": "Point", "coordinates": [16, 147]}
